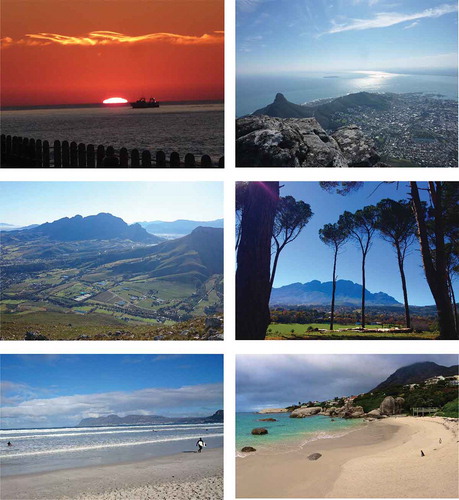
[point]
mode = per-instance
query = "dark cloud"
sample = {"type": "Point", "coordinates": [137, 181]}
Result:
{"type": "Point", "coordinates": [278, 380]}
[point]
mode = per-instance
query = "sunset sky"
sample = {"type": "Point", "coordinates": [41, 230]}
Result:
{"type": "Point", "coordinates": [84, 51]}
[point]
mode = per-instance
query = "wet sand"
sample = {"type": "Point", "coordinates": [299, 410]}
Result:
{"type": "Point", "coordinates": [185, 476]}
{"type": "Point", "coordinates": [382, 460]}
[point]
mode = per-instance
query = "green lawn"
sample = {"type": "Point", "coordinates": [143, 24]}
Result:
{"type": "Point", "coordinates": [341, 332]}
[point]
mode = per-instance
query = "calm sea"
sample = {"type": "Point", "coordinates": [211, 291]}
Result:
{"type": "Point", "coordinates": [254, 92]}
{"type": "Point", "coordinates": [41, 450]}
{"type": "Point", "coordinates": [185, 128]}
{"type": "Point", "coordinates": [287, 433]}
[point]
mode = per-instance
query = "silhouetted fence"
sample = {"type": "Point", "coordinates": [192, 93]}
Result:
{"type": "Point", "coordinates": [24, 152]}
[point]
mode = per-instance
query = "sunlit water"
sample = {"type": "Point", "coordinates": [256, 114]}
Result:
{"type": "Point", "coordinates": [39, 450]}
{"type": "Point", "coordinates": [287, 433]}
{"type": "Point", "coordinates": [196, 129]}
{"type": "Point", "coordinates": [254, 92]}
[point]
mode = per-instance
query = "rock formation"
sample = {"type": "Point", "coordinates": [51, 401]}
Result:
{"type": "Point", "coordinates": [305, 412]}
{"type": "Point", "coordinates": [391, 406]}
{"type": "Point", "coordinates": [258, 431]}
{"type": "Point", "coordinates": [248, 449]}
{"type": "Point", "coordinates": [300, 142]}
{"type": "Point", "coordinates": [346, 411]}
{"type": "Point", "coordinates": [273, 410]}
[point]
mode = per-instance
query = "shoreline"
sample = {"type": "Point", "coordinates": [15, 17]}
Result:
{"type": "Point", "coordinates": [173, 477]}
{"type": "Point", "coordinates": [381, 460]}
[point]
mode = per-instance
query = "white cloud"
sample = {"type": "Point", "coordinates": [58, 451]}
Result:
{"type": "Point", "coordinates": [183, 401]}
{"type": "Point", "coordinates": [386, 19]}
{"type": "Point", "coordinates": [249, 5]}
{"type": "Point", "coordinates": [412, 25]}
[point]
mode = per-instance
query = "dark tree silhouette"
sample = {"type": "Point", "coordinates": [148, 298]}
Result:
{"type": "Point", "coordinates": [254, 260]}
{"type": "Point", "coordinates": [396, 223]}
{"type": "Point", "coordinates": [334, 236]}
{"type": "Point", "coordinates": [361, 228]}
{"type": "Point", "coordinates": [434, 253]}
{"type": "Point", "coordinates": [291, 217]}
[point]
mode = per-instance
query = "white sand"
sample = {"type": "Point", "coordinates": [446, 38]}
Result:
{"type": "Point", "coordinates": [382, 460]}
{"type": "Point", "coordinates": [186, 476]}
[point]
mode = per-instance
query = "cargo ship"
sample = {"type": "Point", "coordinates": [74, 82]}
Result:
{"type": "Point", "coordinates": [143, 103]}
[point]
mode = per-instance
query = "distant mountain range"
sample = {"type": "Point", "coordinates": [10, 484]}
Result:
{"type": "Point", "coordinates": [323, 111]}
{"type": "Point", "coordinates": [416, 373]}
{"type": "Point", "coordinates": [110, 420]}
{"type": "Point", "coordinates": [315, 292]}
{"type": "Point", "coordinates": [178, 227]}
{"type": "Point", "coordinates": [102, 226]}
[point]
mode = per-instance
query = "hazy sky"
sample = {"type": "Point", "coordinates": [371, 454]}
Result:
{"type": "Point", "coordinates": [349, 35]}
{"type": "Point", "coordinates": [273, 380]}
{"type": "Point", "coordinates": [84, 51]}
{"type": "Point", "coordinates": [60, 390]}
{"type": "Point", "coordinates": [307, 258]}
{"type": "Point", "coordinates": [24, 203]}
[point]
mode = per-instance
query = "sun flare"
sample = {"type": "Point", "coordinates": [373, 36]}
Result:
{"type": "Point", "coordinates": [115, 100]}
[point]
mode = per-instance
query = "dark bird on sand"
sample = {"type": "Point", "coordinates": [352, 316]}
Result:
{"type": "Point", "coordinates": [422, 454]}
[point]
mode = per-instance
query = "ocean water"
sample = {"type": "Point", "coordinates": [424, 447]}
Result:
{"type": "Point", "coordinates": [256, 91]}
{"type": "Point", "coordinates": [185, 128]}
{"type": "Point", "coordinates": [41, 450]}
{"type": "Point", "coordinates": [287, 433]}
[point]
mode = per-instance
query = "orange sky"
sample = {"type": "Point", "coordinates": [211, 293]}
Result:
{"type": "Point", "coordinates": [82, 51]}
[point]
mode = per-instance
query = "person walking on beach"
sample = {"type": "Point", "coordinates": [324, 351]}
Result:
{"type": "Point", "coordinates": [200, 444]}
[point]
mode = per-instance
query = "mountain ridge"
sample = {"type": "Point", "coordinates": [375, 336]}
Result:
{"type": "Point", "coordinates": [317, 293]}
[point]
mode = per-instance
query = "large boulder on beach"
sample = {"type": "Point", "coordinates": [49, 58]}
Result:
{"type": "Point", "coordinates": [387, 406]}
{"type": "Point", "coordinates": [258, 431]}
{"type": "Point", "coordinates": [248, 449]}
{"type": "Point", "coordinates": [273, 410]}
{"type": "Point", "coordinates": [314, 456]}
{"type": "Point", "coordinates": [399, 404]}
{"type": "Point", "coordinates": [354, 412]}
{"type": "Point", "coordinates": [267, 420]}
{"type": "Point", "coordinates": [305, 412]}
{"type": "Point", "coordinates": [374, 413]}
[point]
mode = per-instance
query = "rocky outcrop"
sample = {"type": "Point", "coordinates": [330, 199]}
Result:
{"type": "Point", "coordinates": [374, 414]}
{"type": "Point", "coordinates": [391, 406]}
{"type": "Point", "coordinates": [263, 141]}
{"type": "Point", "coordinates": [273, 410]}
{"type": "Point", "coordinates": [248, 449]}
{"type": "Point", "coordinates": [305, 412]}
{"type": "Point", "coordinates": [267, 420]}
{"type": "Point", "coordinates": [346, 411]}
{"type": "Point", "coordinates": [258, 431]}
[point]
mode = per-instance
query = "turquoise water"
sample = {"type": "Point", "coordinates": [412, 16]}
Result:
{"type": "Point", "coordinates": [256, 91]}
{"type": "Point", "coordinates": [288, 433]}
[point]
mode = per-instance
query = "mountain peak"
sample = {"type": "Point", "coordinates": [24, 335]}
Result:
{"type": "Point", "coordinates": [280, 98]}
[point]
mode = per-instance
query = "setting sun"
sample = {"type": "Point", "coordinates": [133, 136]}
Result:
{"type": "Point", "coordinates": [115, 100]}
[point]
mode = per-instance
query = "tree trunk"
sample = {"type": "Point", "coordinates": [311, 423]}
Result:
{"type": "Point", "coordinates": [436, 275]}
{"type": "Point", "coordinates": [254, 261]}
{"type": "Point", "coordinates": [332, 316]}
{"type": "Point", "coordinates": [405, 292]}
{"type": "Point", "coordinates": [363, 290]}
{"type": "Point", "coordinates": [453, 300]}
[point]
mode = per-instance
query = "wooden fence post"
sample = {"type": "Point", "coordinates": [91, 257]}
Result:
{"type": "Point", "coordinates": [4, 147]}
{"type": "Point", "coordinates": [65, 154]}
{"type": "Point", "coordinates": [221, 162]}
{"type": "Point", "coordinates": [31, 154]}
{"type": "Point", "coordinates": [73, 154]}
{"type": "Point", "coordinates": [161, 159]}
{"type": "Point", "coordinates": [100, 155]}
{"type": "Point", "coordinates": [45, 154]}
{"type": "Point", "coordinates": [57, 152]}
{"type": "Point", "coordinates": [135, 158]}
{"type": "Point", "coordinates": [146, 159]}
{"type": "Point", "coordinates": [90, 156]}
{"type": "Point", "coordinates": [190, 160]}
{"type": "Point", "coordinates": [206, 161]}
{"type": "Point", "coordinates": [81, 155]}
{"type": "Point", "coordinates": [124, 157]}
{"type": "Point", "coordinates": [9, 148]}
{"type": "Point", "coordinates": [38, 153]}
{"type": "Point", "coordinates": [24, 151]}
{"type": "Point", "coordinates": [174, 160]}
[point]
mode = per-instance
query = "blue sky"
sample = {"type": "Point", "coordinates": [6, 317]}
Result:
{"type": "Point", "coordinates": [24, 203]}
{"type": "Point", "coordinates": [275, 381]}
{"type": "Point", "coordinates": [60, 390]}
{"type": "Point", "coordinates": [307, 258]}
{"type": "Point", "coordinates": [275, 36]}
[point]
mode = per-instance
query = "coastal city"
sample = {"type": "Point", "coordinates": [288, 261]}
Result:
{"type": "Point", "coordinates": [415, 130]}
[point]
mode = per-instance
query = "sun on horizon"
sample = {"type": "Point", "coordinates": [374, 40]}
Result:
{"type": "Point", "coordinates": [115, 100]}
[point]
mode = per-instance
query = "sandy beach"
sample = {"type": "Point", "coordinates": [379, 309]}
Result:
{"type": "Point", "coordinates": [381, 460]}
{"type": "Point", "coordinates": [183, 476]}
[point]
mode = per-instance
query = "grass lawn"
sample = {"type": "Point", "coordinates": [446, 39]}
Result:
{"type": "Point", "coordinates": [277, 331]}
